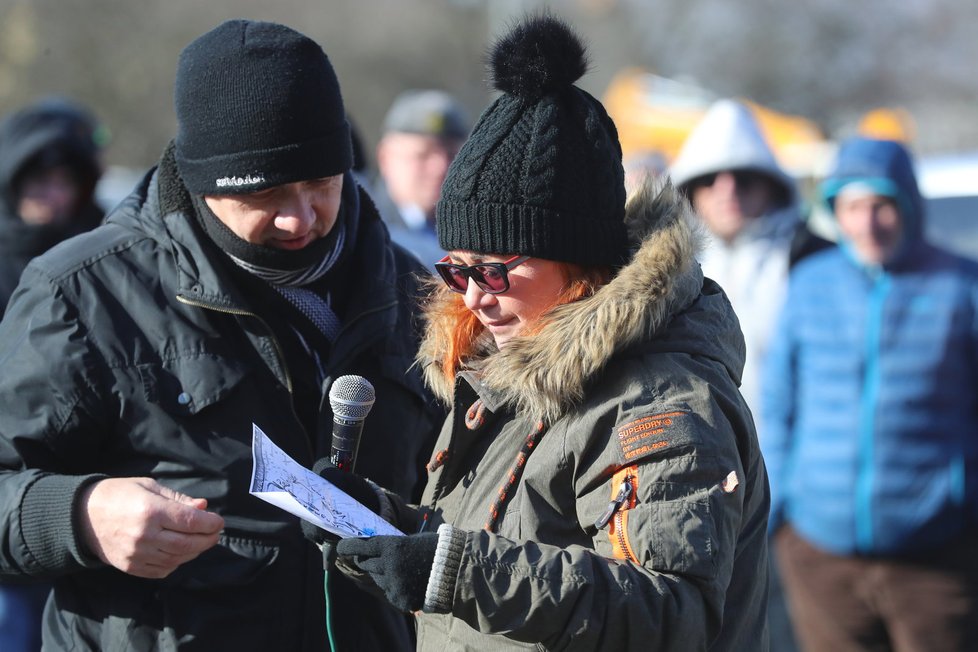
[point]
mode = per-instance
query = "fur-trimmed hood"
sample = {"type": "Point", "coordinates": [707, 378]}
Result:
{"type": "Point", "coordinates": [546, 374]}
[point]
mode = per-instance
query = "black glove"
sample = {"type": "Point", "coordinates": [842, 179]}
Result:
{"type": "Point", "coordinates": [399, 566]}
{"type": "Point", "coordinates": [349, 483]}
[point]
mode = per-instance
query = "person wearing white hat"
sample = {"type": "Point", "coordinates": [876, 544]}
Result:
{"type": "Point", "coordinates": [749, 206]}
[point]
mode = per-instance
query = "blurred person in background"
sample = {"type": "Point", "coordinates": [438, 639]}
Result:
{"type": "Point", "coordinates": [749, 205]}
{"type": "Point", "coordinates": [869, 413]}
{"type": "Point", "coordinates": [750, 208]}
{"type": "Point", "coordinates": [243, 274]}
{"type": "Point", "coordinates": [49, 167]}
{"type": "Point", "coordinates": [598, 485]}
{"type": "Point", "coordinates": [422, 132]}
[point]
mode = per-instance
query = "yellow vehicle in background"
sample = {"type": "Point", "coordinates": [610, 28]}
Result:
{"type": "Point", "coordinates": [654, 115]}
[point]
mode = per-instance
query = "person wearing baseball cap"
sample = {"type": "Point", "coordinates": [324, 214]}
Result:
{"type": "Point", "coordinates": [422, 132]}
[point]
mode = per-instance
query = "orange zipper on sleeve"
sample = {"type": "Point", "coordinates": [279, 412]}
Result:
{"type": "Point", "coordinates": [624, 492]}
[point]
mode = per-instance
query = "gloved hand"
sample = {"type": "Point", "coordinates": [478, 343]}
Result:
{"type": "Point", "coordinates": [350, 483]}
{"type": "Point", "coordinates": [399, 566]}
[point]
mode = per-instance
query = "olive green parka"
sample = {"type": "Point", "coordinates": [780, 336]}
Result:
{"type": "Point", "coordinates": [602, 478]}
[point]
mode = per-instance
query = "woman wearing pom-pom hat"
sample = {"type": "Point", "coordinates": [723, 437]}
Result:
{"type": "Point", "coordinates": [598, 484]}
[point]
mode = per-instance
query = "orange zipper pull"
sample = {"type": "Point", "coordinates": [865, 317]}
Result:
{"type": "Point", "coordinates": [623, 494]}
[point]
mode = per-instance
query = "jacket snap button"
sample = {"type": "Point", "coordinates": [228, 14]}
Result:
{"type": "Point", "coordinates": [184, 398]}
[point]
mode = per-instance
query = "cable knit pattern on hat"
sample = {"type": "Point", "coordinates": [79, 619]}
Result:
{"type": "Point", "coordinates": [466, 173]}
{"type": "Point", "coordinates": [542, 154]}
{"type": "Point", "coordinates": [541, 173]}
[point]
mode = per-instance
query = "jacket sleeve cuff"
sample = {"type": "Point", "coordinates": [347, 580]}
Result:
{"type": "Point", "coordinates": [49, 523]}
{"type": "Point", "coordinates": [444, 571]}
{"type": "Point", "coordinates": [409, 519]}
{"type": "Point", "coordinates": [383, 498]}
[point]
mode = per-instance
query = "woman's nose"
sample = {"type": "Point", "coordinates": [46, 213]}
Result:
{"type": "Point", "coordinates": [475, 297]}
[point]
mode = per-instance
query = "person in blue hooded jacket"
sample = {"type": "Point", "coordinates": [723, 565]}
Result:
{"type": "Point", "coordinates": [870, 406]}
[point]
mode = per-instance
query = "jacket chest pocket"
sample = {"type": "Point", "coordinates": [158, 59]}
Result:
{"type": "Point", "coordinates": [185, 386]}
{"type": "Point", "coordinates": [191, 427]}
{"type": "Point", "coordinates": [196, 413]}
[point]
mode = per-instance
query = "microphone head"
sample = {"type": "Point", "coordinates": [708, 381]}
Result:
{"type": "Point", "coordinates": [351, 397]}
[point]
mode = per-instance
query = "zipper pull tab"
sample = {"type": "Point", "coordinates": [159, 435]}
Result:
{"type": "Point", "coordinates": [623, 495]}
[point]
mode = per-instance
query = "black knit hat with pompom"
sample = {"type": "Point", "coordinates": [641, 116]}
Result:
{"type": "Point", "coordinates": [541, 173]}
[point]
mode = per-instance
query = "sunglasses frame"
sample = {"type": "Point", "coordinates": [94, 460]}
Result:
{"type": "Point", "coordinates": [444, 268]}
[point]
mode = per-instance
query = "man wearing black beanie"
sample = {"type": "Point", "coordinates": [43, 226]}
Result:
{"type": "Point", "coordinates": [241, 276]}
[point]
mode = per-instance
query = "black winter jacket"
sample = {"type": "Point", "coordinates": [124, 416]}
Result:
{"type": "Point", "coordinates": [128, 351]}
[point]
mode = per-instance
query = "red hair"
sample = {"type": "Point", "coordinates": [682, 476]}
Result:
{"type": "Point", "coordinates": [462, 329]}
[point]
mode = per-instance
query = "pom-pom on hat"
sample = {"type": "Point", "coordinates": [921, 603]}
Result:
{"type": "Point", "coordinates": [541, 172]}
{"type": "Point", "coordinates": [258, 105]}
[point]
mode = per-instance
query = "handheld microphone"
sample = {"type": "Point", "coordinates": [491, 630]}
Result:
{"type": "Point", "coordinates": [351, 398]}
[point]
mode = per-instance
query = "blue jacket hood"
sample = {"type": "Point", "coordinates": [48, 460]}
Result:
{"type": "Point", "coordinates": [886, 165]}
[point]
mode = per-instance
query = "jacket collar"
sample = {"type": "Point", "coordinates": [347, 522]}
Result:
{"type": "Point", "coordinates": [545, 375]}
{"type": "Point", "coordinates": [201, 274]}
{"type": "Point", "coordinates": [162, 208]}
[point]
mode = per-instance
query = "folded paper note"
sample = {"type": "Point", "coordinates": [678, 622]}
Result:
{"type": "Point", "coordinates": [278, 479]}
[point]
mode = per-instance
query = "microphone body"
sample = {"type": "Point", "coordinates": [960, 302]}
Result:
{"type": "Point", "coordinates": [351, 398]}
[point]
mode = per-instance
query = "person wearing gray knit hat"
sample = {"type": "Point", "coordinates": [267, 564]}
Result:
{"type": "Point", "coordinates": [244, 273]}
{"type": "Point", "coordinates": [599, 484]}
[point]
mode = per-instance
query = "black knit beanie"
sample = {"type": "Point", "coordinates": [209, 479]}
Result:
{"type": "Point", "coordinates": [541, 172]}
{"type": "Point", "coordinates": [258, 105]}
